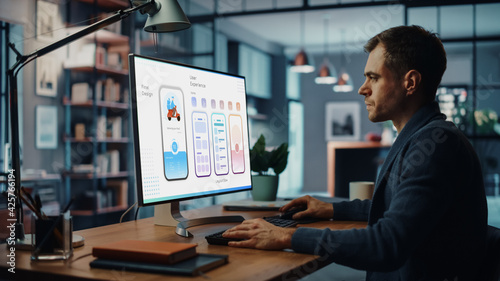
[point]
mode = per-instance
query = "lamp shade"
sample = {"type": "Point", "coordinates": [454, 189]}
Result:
{"type": "Point", "coordinates": [345, 83]}
{"type": "Point", "coordinates": [327, 74]}
{"type": "Point", "coordinates": [301, 63]}
{"type": "Point", "coordinates": [167, 16]}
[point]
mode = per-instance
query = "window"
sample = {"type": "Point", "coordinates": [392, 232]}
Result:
{"type": "Point", "coordinates": [256, 67]}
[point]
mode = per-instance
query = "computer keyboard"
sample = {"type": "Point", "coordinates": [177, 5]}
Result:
{"type": "Point", "coordinates": [217, 239]}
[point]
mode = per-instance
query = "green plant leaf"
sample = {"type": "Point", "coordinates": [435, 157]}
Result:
{"type": "Point", "coordinates": [279, 158]}
{"type": "Point", "coordinates": [261, 160]}
{"type": "Point", "coordinates": [258, 158]}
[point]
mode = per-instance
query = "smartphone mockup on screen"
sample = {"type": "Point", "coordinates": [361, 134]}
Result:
{"type": "Point", "coordinates": [173, 130]}
{"type": "Point", "coordinates": [219, 140]}
{"type": "Point", "coordinates": [201, 144]}
{"type": "Point", "coordinates": [236, 139]}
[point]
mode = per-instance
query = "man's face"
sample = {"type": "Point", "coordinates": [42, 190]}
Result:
{"type": "Point", "coordinates": [383, 93]}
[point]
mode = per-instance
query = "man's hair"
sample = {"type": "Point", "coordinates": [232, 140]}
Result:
{"type": "Point", "coordinates": [412, 47]}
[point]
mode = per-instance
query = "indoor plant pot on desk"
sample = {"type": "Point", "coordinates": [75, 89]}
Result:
{"type": "Point", "coordinates": [265, 185]}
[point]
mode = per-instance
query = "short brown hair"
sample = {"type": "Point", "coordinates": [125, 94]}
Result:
{"type": "Point", "coordinates": [412, 47]}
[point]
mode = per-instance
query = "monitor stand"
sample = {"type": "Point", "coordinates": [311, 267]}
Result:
{"type": "Point", "coordinates": [170, 215]}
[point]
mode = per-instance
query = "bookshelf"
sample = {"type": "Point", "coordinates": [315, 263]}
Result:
{"type": "Point", "coordinates": [97, 171]}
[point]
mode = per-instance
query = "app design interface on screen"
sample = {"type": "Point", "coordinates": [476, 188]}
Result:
{"type": "Point", "coordinates": [173, 133]}
{"type": "Point", "coordinates": [192, 131]}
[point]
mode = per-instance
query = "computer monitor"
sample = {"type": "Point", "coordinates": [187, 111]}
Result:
{"type": "Point", "coordinates": [190, 136]}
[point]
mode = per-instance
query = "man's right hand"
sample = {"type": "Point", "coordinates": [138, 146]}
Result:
{"type": "Point", "coordinates": [315, 208]}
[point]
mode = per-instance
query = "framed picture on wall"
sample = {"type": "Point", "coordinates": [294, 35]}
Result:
{"type": "Point", "coordinates": [46, 127]}
{"type": "Point", "coordinates": [342, 121]}
{"type": "Point", "coordinates": [46, 19]}
{"type": "Point", "coordinates": [46, 76]}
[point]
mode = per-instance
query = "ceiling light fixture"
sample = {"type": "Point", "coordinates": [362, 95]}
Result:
{"type": "Point", "coordinates": [301, 63]}
{"type": "Point", "coordinates": [327, 73]}
{"type": "Point", "coordinates": [344, 85]}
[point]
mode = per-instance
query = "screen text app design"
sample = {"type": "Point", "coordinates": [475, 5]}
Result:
{"type": "Point", "coordinates": [201, 142]}
{"type": "Point", "coordinates": [237, 151]}
{"type": "Point", "coordinates": [173, 133]}
{"type": "Point", "coordinates": [219, 136]}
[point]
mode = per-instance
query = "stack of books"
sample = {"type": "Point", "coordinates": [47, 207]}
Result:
{"type": "Point", "coordinates": [155, 257]}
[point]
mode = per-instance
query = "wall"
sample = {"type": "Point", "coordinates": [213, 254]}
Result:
{"type": "Point", "coordinates": [458, 72]}
{"type": "Point", "coordinates": [314, 98]}
{"type": "Point", "coordinates": [24, 12]}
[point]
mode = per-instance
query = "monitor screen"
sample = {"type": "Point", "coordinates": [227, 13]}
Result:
{"type": "Point", "coordinates": [190, 131]}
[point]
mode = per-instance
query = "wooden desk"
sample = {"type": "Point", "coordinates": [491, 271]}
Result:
{"type": "Point", "coordinates": [244, 264]}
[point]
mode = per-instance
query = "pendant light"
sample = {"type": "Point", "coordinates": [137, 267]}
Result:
{"type": "Point", "coordinates": [327, 73]}
{"type": "Point", "coordinates": [344, 85]}
{"type": "Point", "coordinates": [301, 63]}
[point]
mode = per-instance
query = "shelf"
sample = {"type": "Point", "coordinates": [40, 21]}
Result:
{"type": "Point", "coordinates": [482, 86]}
{"type": "Point", "coordinates": [101, 69]}
{"type": "Point", "coordinates": [91, 139]}
{"type": "Point", "coordinates": [99, 104]}
{"type": "Point", "coordinates": [85, 176]}
{"type": "Point", "coordinates": [102, 36]}
{"type": "Point", "coordinates": [108, 4]}
{"type": "Point", "coordinates": [98, 211]}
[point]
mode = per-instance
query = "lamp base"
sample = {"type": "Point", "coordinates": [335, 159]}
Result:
{"type": "Point", "coordinates": [26, 243]}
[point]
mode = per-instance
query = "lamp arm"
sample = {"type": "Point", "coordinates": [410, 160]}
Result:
{"type": "Point", "coordinates": [21, 61]}
{"type": "Point", "coordinates": [120, 15]}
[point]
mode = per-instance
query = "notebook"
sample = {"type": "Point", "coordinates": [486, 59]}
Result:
{"type": "Point", "coordinates": [145, 251]}
{"type": "Point", "coordinates": [191, 267]}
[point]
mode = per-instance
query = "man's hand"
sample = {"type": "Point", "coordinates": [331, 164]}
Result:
{"type": "Point", "coordinates": [260, 234]}
{"type": "Point", "coordinates": [315, 208]}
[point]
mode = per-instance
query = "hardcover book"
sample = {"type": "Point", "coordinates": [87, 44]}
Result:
{"type": "Point", "coordinates": [145, 251]}
{"type": "Point", "coordinates": [191, 267]}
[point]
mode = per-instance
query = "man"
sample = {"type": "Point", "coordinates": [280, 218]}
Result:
{"type": "Point", "coordinates": [427, 219]}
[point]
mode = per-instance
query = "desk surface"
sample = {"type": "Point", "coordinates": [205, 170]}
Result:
{"type": "Point", "coordinates": [244, 264]}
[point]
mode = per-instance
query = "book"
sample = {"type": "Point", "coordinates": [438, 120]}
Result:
{"type": "Point", "coordinates": [80, 92]}
{"type": "Point", "coordinates": [114, 161]}
{"type": "Point", "coordinates": [115, 127]}
{"type": "Point", "coordinates": [145, 251]}
{"type": "Point", "coordinates": [191, 267]}
{"type": "Point", "coordinates": [101, 127]}
{"type": "Point", "coordinates": [79, 131]}
{"type": "Point", "coordinates": [120, 188]}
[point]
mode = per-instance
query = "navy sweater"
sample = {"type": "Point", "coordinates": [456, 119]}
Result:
{"type": "Point", "coordinates": [428, 217]}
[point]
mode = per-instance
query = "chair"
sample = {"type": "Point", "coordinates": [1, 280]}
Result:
{"type": "Point", "coordinates": [492, 261]}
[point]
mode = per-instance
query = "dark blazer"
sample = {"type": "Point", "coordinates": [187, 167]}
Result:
{"type": "Point", "coordinates": [428, 217]}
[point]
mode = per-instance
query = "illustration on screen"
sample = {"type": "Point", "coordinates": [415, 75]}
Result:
{"type": "Point", "coordinates": [219, 137]}
{"type": "Point", "coordinates": [173, 130]}
{"type": "Point", "coordinates": [237, 150]}
{"type": "Point", "coordinates": [202, 165]}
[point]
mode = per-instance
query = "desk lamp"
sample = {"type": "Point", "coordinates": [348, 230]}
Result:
{"type": "Point", "coordinates": [163, 16]}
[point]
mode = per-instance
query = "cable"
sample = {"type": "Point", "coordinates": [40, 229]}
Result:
{"type": "Point", "coordinates": [137, 212]}
{"type": "Point", "coordinates": [128, 210]}
{"type": "Point", "coordinates": [80, 257]}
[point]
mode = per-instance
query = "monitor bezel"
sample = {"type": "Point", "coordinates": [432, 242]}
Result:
{"type": "Point", "coordinates": [135, 130]}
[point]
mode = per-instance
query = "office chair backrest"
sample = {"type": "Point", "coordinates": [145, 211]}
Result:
{"type": "Point", "coordinates": [492, 261]}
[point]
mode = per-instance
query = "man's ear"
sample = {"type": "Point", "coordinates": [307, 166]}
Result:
{"type": "Point", "coordinates": [412, 81]}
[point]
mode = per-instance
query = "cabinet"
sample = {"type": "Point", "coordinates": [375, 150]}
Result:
{"type": "Point", "coordinates": [361, 161]}
{"type": "Point", "coordinates": [96, 111]}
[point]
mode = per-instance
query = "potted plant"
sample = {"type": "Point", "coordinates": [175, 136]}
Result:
{"type": "Point", "coordinates": [264, 184]}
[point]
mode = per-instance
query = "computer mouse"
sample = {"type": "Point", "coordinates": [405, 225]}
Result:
{"type": "Point", "coordinates": [288, 215]}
